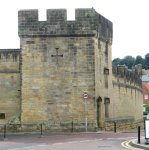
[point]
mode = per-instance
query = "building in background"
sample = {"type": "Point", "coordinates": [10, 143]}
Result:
{"type": "Point", "coordinates": [145, 88]}
{"type": "Point", "coordinates": [145, 71]}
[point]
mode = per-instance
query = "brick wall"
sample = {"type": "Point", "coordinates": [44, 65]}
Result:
{"type": "Point", "coordinates": [145, 88]}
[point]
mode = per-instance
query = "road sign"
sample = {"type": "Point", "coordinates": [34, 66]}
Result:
{"type": "Point", "coordinates": [147, 130]}
{"type": "Point", "coordinates": [85, 96]}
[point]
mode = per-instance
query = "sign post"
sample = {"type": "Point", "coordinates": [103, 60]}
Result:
{"type": "Point", "coordinates": [85, 96]}
{"type": "Point", "coordinates": [147, 131]}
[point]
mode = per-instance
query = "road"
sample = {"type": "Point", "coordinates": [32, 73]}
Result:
{"type": "Point", "coordinates": [91, 141]}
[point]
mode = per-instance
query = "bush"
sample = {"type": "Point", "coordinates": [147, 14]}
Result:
{"type": "Point", "coordinates": [147, 109]}
{"type": "Point", "coordinates": [145, 113]}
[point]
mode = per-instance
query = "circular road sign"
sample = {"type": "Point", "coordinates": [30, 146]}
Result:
{"type": "Point", "coordinates": [85, 96]}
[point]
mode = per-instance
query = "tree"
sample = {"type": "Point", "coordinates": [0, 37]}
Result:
{"type": "Point", "coordinates": [147, 61]}
{"type": "Point", "coordinates": [147, 109]}
{"type": "Point", "coordinates": [140, 60]}
{"type": "Point", "coordinates": [129, 61]}
{"type": "Point", "coordinates": [116, 61]}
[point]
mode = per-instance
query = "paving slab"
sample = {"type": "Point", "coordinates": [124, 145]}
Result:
{"type": "Point", "coordinates": [141, 145]}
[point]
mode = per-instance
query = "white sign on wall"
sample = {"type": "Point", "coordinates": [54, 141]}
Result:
{"type": "Point", "coordinates": [146, 129]}
{"type": "Point", "coordinates": [144, 109]}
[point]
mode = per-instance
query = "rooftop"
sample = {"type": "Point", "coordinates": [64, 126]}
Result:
{"type": "Point", "coordinates": [145, 78]}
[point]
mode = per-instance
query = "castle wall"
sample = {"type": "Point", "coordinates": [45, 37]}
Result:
{"type": "Point", "coordinates": [53, 91]}
{"type": "Point", "coordinates": [127, 97]}
{"type": "Point", "coordinates": [9, 95]}
{"type": "Point", "coordinates": [56, 24]}
{"type": "Point", "coordinates": [9, 60]}
{"type": "Point", "coordinates": [52, 86]}
{"type": "Point", "coordinates": [128, 89]}
{"type": "Point", "coordinates": [9, 83]}
{"type": "Point", "coordinates": [124, 90]}
{"type": "Point", "coordinates": [103, 60]}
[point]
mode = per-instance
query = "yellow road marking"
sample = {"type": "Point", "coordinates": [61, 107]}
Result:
{"type": "Point", "coordinates": [126, 145]}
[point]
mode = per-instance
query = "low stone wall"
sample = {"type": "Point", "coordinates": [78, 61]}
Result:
{"type": "Point", "coordinates": [47, 127]}
{"type": "Point", "coordinates": [66, 126]}
{"type": "Point", "coordinates": [124, 126]}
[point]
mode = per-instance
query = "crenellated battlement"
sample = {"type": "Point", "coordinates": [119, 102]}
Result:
{"type": "Point", "coordinates": [131, 77]}
{"type": "Point", "coordinates": [87, 23]}
{"type": "Point", "coordinates": [9, 60]}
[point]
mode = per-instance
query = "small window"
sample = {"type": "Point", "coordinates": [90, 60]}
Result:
{"type": "Point", "coordinates": [2, 115]}
{"type": "Point", "coordinates": [146, 96]}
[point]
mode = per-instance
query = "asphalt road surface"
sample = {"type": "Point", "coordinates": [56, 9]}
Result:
{"type": "Point", "coordinates": [92, 141]}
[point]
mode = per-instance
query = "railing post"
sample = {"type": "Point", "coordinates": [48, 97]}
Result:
{"type": "Point", "coordinates": [72, 128]}
{"type": "Point", "coordinates": [114, 126]}
{"type": "Point", "coordinates": [41, 132]}
{"type": "Point", "coordinates": [41, 129]}
{"type": "Point", "coordinates": [4, 139]}
{"type": "Point", "coordinates": [138, 134]}
{"type": "Point", "coordinates": [4, 131]}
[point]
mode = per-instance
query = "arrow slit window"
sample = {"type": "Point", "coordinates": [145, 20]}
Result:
{"type": "Point", "coordinates": [106, 48]}
{"type": "Point", "coordinates": [107, 102]}
{"type": "Point", "coordinates": [106, 73]}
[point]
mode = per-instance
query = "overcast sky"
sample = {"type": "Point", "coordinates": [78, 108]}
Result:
{"type": "Point", "coordinates": [130, 21]}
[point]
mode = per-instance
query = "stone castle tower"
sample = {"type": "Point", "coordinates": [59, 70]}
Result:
{"type": "Point", "coordinates": [44, 80]}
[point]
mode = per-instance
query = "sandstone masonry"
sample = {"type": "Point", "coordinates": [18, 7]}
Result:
{"type": "Point", "coordinates": [44, 81]}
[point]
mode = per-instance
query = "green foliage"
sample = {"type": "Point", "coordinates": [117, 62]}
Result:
{"type": "Point", "coordinates": [116, 61]}
{"type": "Point", "coordinates": [140, 60]}
{"type": "Point", "coordinates": [143, 73]}
{"type": "Point", "coordinates": [147, 61]}
{"type": "Point", "coordinates": [145, 113]}
{"type": "Point", "coordinates": [130, 61]}
{"type": "Point", "coordinates": [147, 109]}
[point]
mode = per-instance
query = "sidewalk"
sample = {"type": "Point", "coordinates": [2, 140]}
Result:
{"type": "Point", "coordinates": [141, 145]}
{"type": "Point", "coordinates": [63, 133]}
{"type": "Point", "coordinates": [11, 136]}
